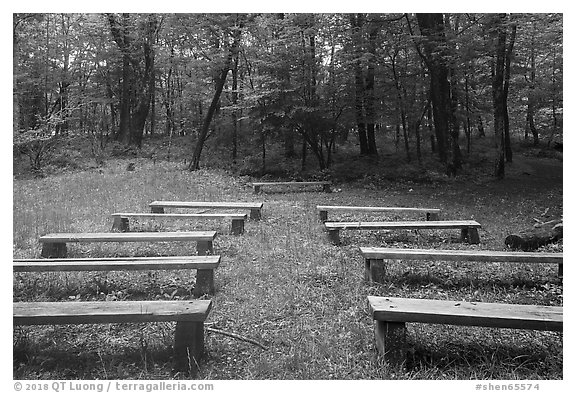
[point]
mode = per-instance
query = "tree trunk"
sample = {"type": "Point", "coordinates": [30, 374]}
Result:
{"type": "Point", "coordinates": [530, 240]}
{"type": "Point", "coordinates": [498, 96]}
{"type": "Point", "coordinates": [235, 110]}
{"type": "Point", "coordinates": [481, 132]}
{"type": "Point", "coordinates": [195, 161]}
{"type": "Point", "coordinates": [508, 59]}
{"type": "Point", "coordinates": [357, 22]}
{"type": "Point", "coordinates": [432, 27]}
{"type": "Point", "coordinates": [369, 103]}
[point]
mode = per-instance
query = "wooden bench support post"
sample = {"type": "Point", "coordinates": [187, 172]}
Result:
{"type": "Point", "coordinates": [157, 209]}
{"type": "Point", "coordinates": [237, 227]}
{"type": "Point", "coordinates": [255, 214]}
{"type": "Point", "coordinates": [326, 187]}
{"type": "Point", "coordinates": [121, 224]}
{"type": "Point", "coordinates": [188, 345]}
{"type": "Point", "coordinates": [204, 282]}
{"type": "Point", "coordinates": [470, 235]}
{"type": "Point", "coordinates": [323, 215]}
{"type": "Point", "coordinates": [334, 236]}
{"type": "Point", "coordinates": [473, 236]}
{"type": "Point", "coordinates": [375, 270]}
{"type": "Point", "coordinates": [560, 270]}
{"type": "Point", "coordinates": [432, 217]}
{"type": "Point", "coordinates": [54, 250]}
{"type": "Point", "coordinates": [204, 248]}
{"type": "Point", "coordinates": [256, 189]}
{"type": "Point", "coordinates": [391, 342]}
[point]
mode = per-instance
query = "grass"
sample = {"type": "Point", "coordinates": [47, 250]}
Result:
{"type": "Point", "coordinates": [281, 282]}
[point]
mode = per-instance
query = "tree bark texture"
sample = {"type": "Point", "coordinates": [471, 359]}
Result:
{"type": "Point", "coordinates": [432, 28]}
{"type": "Point", "coordinates": [499, 97]}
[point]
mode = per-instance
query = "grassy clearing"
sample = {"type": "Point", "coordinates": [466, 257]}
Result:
{"type": "Point", "coordinates": [281, 282]}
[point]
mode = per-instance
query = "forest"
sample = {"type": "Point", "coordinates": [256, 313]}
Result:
{"type": "Point", "coordinates": [261, 87]}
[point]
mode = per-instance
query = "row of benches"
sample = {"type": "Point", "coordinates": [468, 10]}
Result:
{"type": "Point", "coordinates": [391, 314]}
{"type": "Point", "coordinates": [189, 315]}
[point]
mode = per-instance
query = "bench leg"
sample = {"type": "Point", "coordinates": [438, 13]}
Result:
{"type": "Point", "coordinates": [326, 188]}
{"type": "Point", "coordinates": [157, 209]}
{"type": "Point", "coordinates": [188, 345]}
{"type": "Point", "coordinates": [374, 270]}
{"type": "Point", "coordinates": [334, 236]}
{"type": "Point", "coordinates": [121, 224]}
{"type": "Point", "coordinates": [204, 248]}
{"type": "Point", "coordinates": [54, 250]}
{"type": "Point", "coordinates": [560, 270]}
{"type": "Point", "coordinates": [464, 234]}
{"type": "Point", "coordinates": [474, 237]}
{"type": "Point", "coordinates": [470, 235]}
{"type": "Point", "coordinates": [323, 215]}
{"type": "Point", "coordinates": [204, 282]}
{"type": "Point", "coordinates": [391, 342]}
{"type": "Point", "coordinates": [432, 217]}
{"type": "Point", "coordinates": [255, 214]}
{"type": "Point", "coordinates": [256, 189]}
{"type": "Point", "coordinates": [237, 227]}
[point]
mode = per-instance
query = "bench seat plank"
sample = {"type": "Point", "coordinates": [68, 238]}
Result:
{"type": "Point", "coordinates": [54, 244]}
{"type": "Point", "coordinates": [402, 225]}
{"type": "Point", "coordinates": [205, 266]}
{"type": "Point", "coordinates": [120, 220]}
{"type": "Point", "coordinates": [498, 315]}
{"type": "Point", "coordinates": [325, 184]}
{"type": "Point", "coordinates": [460, 255]}
{"type": "Point", "coordinates": [63, 313]}
{"type": "Point", "coordinates": [376, 209]}
{"type": "Point", "coordinates": [254, 207]}
{"type": "Point", "coordinates": [127, 237]}
{"type": "Point", "coordinates": [111, 264]}
{"type": "Point", "coordinates": [292, 183]}
{"type": "Point", "coordinates": [238, 216]}
{"type": "Point", "coordinates": [375, 258]}
{"type": "Point", "coordinates": [216, 205]}
{"type": "Point", "coordinates": [431, 214]}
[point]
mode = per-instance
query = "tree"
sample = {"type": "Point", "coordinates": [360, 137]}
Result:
{"type": "Point", "coordinates": [231, 48]}
{"type": "Point", "coordinates": [436, 54]}
{"type": "Point", "coordinates": [499, 94]}
{"type": "Point", "coordinates": [138, 80]}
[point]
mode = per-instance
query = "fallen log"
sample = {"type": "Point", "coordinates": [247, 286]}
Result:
{"type": "Point", "coordinates": [540, 236]}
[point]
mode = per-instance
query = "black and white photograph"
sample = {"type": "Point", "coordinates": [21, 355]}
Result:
{"type": "Point", "coordinates": [200, 197]}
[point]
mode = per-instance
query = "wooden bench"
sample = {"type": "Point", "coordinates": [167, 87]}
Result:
{"type": "Point", "coordinates": [375, 258]}
{"type": "Point", "coordinates": [189, 316]}
{"type": "Point", "coordinates": [325, 184]}
{"type": "Point", "coordinates": [391, 315]}
{"type": "Point", "coordinates": [431, 214]}
{"type": "Point", "coordinates": [121, 220]}
{"type": "Point", "coordinates": [254, 207]}
{"type": "Point", "coordinates": [468, 229]}
{"type": "Point", "coordinates": [54, 245]}
{"type": "Point", "coordinates": [204, 265]}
